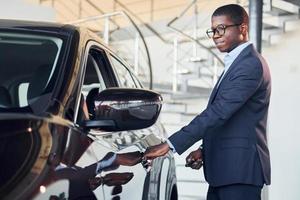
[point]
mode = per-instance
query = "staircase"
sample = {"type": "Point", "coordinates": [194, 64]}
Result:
{"type": "Point", "coordinates": [279, 17]}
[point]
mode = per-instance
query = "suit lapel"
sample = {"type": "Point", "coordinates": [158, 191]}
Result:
{"type": "Point", "coordinates": [214, 91]}
{"type": "Point", "coordinates": [230, 70]}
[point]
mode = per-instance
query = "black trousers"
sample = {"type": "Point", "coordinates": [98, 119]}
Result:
{"type": "Point", "coordinates": [234, 192]}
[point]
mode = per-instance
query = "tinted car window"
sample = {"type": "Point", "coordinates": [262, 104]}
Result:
{"type": "Point", "coordinates": [123, 74]}
{"type": "Point", "coordinates": [93, 83]}
{"type": "Point", "coordinates": [27, 64]}
{"type": "Point", "coordinates": [93, 77]}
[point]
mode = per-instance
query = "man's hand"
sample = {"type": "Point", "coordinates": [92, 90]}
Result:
{"type": "Point", "coordinates": [156, 151]}
{"type": "Point", "coordinates": [129, 159]}
{"type": "Point", "coordinates": [194, 159]}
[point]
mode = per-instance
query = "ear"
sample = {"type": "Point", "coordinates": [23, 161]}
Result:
{"type": "Point", "coordinates": [244, 28]}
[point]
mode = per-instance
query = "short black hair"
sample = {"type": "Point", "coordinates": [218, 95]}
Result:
{"type": "Point", "coordinates": [236, 13]}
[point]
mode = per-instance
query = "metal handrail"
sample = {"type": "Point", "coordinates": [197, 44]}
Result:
{"type": "Point", "coordinates": [195, 42]}
{"type": "Point", "coordinates": [189, 37]}
{"type": "Point", "coordinates": [101, 11]}
{"type": "Point", "coordinates": [144, 23]}
{"type": "Point", "coordinates": [108, 15]}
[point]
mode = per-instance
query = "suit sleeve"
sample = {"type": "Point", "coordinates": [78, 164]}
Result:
{"type": "Point", "coordinates": [231, 96]}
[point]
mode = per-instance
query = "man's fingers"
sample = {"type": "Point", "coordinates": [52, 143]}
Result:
{"type": "Point", "coordinates": [188, 160]}
{"type": "Point", "coordinates": [197, 164]}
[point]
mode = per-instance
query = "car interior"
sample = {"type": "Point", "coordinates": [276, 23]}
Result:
{"type": "Point", "coordinates": [23, 76]}
{"type": "Point", "coordinates": [5, 98]}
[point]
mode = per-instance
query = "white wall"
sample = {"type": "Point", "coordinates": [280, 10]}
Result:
{"type": "Point", "coordinates": [284, 120]}
{"type": "Point", "coordinates": [20, 9]}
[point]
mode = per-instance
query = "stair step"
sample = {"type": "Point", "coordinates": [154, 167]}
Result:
{"type": "Point", "coordinates": [186, 174]}
{"type": "Point", "coordinates": [292, 25]}
{"type": "Point", "coordinates": [285, 5]}
{"type": "Point", "coordinates": [170, 129]}
{"type": "Point", "coordinates": [197, 59]}
{"type": "Point", "coordinates": [192, 190]}
{"type": "Point", "coordinates": [174, 107]}
{"type": "Point", "coordinates": [271, 35]}
{"type": "Point", "coordinates": [191, 109]}
{"type": "Point", "coordinates": [192, 92]}
{"type": "Point", "coordinates": [295, 2]}
{"type": "Point", "coordinates": [278, 21]}
{"type": "Point", "coordinates": [191, 183]}
{"type": "Point", "coordinates": [176, 118]}
{"type": "Point", "coordinates": [191, 197]}
{"type": "Point", "coordinates": [278, 12]}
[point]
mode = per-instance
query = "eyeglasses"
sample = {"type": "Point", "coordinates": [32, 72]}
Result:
{"type": "Point", "coordinates": [220, 29]}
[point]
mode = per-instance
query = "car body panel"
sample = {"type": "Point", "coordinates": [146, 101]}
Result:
{"type": "Point", "coordinates": [54, 155]}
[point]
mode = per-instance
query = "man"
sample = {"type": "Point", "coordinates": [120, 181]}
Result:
{"type": "Point", "coordinates": [233, 126]}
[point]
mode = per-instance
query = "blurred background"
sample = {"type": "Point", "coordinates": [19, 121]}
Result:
{"type": "Point", "coordinates": [171, 54]}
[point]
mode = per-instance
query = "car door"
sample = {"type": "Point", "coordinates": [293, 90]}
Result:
{"type": "Point", "coordinates": [117, 157]}
{"type": "Point", "coordinates": [129, 144]}
{"type": "Point", "coordinates": [160, 181]}
{"type": "Point", "coordinates": [119, 172]}
{"type": "Point", "coordinates": [149, 182]}
{"type": "Point", "coordinates": [82, 154]}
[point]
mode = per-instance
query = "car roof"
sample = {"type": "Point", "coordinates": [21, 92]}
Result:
{"type": "Point", "coordinates": [53, 27]}
{"type": "Point", "coordinates": [36, 25]}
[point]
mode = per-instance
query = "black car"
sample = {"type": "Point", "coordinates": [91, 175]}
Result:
{"type": "Point", "coordinates": [74, 120]}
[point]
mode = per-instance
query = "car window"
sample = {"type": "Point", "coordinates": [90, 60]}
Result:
{"type": "Point", "coordinates": [137, 82]}
{"type": "Point", "coordinates": [92, 84]}
{"type": "Point", "coordinates": [123, 74]}
{"type": "Point", "coordinates": [27, 67]}
{"type": "Point", "coordinates": [93, 77]}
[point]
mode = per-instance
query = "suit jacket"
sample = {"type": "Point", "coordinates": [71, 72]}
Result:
{"type": "Point", "coordinates": [233, 126]}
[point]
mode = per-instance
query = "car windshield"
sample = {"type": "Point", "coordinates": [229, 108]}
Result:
{"type": "Point", "coordinates": [27, 64]}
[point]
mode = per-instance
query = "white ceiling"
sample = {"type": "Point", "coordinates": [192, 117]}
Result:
{"type": "Point", "coordinates": [146, 10]}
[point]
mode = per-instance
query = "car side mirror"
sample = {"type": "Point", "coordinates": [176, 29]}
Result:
{"type": "Point", "coordinates": [120, 109]}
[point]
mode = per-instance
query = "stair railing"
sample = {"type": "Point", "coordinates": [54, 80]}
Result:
{"type": "Point", "coordinates": [138, 35]}
{"type": "Point", "coordinates": [216, 60]}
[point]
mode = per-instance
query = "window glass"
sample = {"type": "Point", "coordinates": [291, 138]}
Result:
{"type": "Point", "coordinates": [93, 77]}
{"type": "Point", "coordinates": [123, 74]}
{"type": "Point", "coordinates": [93, 83]}
{"type": "Point", "coordinates": [27, 66]}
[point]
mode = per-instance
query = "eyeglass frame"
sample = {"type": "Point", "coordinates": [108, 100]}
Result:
{"type": "Point", "coordinates": [214, 30]}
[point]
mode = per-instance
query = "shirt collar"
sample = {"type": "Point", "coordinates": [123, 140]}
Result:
{"type": "Point", "coordinates": [232, 55]}
{"type": "Point", "coordinates": [236, 51]}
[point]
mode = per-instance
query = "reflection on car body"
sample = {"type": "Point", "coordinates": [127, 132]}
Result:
{"type": "Point", "coordinates": [74, 119]}
{"type": "Point", "coordinates": [84, 180]}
